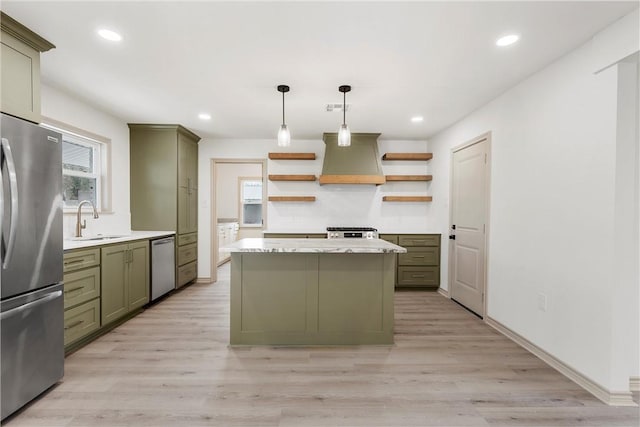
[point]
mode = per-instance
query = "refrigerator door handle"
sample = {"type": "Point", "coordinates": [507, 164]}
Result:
{"type": "Point", "coordinates": [13, 186]}
{"type": "Point", "coordinates": [31, 304]}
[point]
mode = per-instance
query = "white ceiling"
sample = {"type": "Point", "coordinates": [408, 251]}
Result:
{"type": "Point", "coordinates": [177, 59]}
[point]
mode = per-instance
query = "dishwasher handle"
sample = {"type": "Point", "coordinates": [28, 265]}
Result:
{"type": "Point", "coordinates": [162, 241]}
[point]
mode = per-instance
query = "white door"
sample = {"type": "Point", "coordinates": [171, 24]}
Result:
{"type": "Point", "coordinates": [469, 201]}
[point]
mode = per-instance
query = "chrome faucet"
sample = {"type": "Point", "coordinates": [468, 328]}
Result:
{"type": "Point", "coordinates": [79, 225]}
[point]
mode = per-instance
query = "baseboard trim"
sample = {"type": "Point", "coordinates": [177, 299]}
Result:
{"type": "Point", "coordinates": [634, 383]}
{"type": "Point", "coordinates": [203, 280]}
{"type": "Point", "coordinates": [443, 292]}
{"type": "Point", "coordinates": [613, 398]}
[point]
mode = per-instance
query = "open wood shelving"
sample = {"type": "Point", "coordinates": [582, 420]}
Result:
{"type": "Point", "coordinates": [398, 178]}
{"type": "Point", "coordinates": [292, 177]}
{"type": "Point", "coordinates": [292, 156]}
{"type": "Point", "coordinates": [292, 198]}
{"type": "Point", "coordinates": [406, 198]}
{"type": "Point", "coordinates": [407, 156]}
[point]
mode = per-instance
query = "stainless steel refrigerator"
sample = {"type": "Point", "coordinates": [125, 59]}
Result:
{"type": "Point", "coordinates": [31, 308]}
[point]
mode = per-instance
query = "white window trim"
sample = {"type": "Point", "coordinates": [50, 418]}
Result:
{"type": "Point", "coordinates": [104, 144]}
{"type": "Point", "coordinates": [241, 179]}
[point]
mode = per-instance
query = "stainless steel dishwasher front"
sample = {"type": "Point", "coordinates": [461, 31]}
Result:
{"type": "Point", "coordinates": [163, 270]}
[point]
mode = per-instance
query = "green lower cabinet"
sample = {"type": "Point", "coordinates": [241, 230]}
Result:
{"type": "Point", "coordinates": [82, 320]}
{"type": "Point", "coordinates": [125, 279]}
{"type": "Point", "coordinates": [139, 275]}
{"type": "Point", "coordinates": [420, 266]}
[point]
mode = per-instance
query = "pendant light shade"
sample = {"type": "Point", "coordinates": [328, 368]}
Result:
{"type": "Point", "coordinates": [344, 134]}
{"type": "Point", "coordinates": [284, 137]}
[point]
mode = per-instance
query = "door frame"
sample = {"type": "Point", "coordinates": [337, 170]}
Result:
{"type": "Point", "coordinates": [485, 137]}
{"type": "Point", "coordinates": [214, 206]}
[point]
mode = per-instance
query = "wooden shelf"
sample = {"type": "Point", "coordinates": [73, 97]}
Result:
{"type": "Point", "coordinates": [292, 177]}
{"type": "Point", "coordinates": [407, 156]}
{"type": "Point", "coordinates": [292, 156]}
{"type": "Point", "coordinates": [406, 198]}
{"type": "Point", "coordinates": [292, 198]}
{"type": "Point", "coordinates": [408, 177]}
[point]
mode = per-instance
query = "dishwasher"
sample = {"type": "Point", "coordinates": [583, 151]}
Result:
{"type": "Point", "coordinates": [163, 271]}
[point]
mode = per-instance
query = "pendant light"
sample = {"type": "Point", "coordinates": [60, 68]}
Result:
{"type": "Point", "coordinates": [344, 135]}
{"type": "Point", "coordinates": [284, 137]}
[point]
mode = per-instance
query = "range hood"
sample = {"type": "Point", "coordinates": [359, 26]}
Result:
{"type": "Point", "coordinates": [358, 163]}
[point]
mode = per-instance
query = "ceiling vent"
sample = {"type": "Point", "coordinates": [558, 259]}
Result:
{"type": "Point", "coordinates": [337, 107]}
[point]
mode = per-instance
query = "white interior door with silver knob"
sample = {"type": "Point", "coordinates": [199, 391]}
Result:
{"type": "Point", "coordinates": [469, 207]}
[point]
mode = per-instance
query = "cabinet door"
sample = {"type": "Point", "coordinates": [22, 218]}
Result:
{"type": "Point", "coordinates": [183, 210]}
{"type": "Point", "coordinates": [114, 277]}
{"type": "Point", "coordinates": [184, 161]}
{"type": "Point", "coordinates": [20, 79]}
{"type": "Point", "coordinates": [192, 211]}
{"type": "Point", "coordinates": [138, 274]}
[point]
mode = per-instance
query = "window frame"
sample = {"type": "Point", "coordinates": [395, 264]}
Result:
{"type": "Point", "coordinates": [101, 161]}
{"type": "Point", "coordinates": [241, 180]}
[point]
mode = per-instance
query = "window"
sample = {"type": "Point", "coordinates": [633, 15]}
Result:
{"type": "Point", "coordinates": [250, 202]}
{"type": "Point", "coordinates": [84, 161]}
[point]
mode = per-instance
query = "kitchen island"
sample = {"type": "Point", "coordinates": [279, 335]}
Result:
{"type": "Point", "coordinates": [312, 291]}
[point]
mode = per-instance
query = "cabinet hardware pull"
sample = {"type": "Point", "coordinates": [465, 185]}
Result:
{"type": "Point", "coordinates": [77, 261]}
{"type": "Point", "coordinates": [74, 324]}
{"type": "Point", "coordinates": [418, 276]}
{"type": "Point", "coordinates": [66, 291]}
{"type": "Point", "coordinates": [417, 256]}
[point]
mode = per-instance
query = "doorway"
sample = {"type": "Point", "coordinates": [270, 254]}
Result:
{"type": "Point", "coordinates": [238, 204]}
{"type": "Point", "coordinates": [468, 225]}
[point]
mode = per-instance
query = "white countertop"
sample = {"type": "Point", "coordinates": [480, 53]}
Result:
{"type": "Point", "coordinates": [315, 246]}
{"type": "Point", "coordinates": [92, 241]}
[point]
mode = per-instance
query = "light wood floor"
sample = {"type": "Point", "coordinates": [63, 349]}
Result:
{"type": "Point", "coordinates": [170, 366]}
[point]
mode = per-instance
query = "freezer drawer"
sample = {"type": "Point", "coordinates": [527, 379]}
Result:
{"type": "Point", "coordinates": [32, 346]}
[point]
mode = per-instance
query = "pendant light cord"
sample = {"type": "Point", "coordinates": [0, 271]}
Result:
{"type": "Point", "coordinates": [283, 108]}
{"type": "Point", "coordinates": [344, 108]}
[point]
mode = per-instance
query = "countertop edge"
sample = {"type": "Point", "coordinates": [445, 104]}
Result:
{"type": "Point", "coordinates": [69, 245]}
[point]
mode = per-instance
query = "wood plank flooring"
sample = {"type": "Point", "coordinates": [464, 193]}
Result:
{"type": "Point", "coordinates": [171, 366]}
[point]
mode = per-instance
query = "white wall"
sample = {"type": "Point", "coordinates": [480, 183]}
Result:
{"type": "Point", "coordinates": [335, 205]}
{"type": "Point", "coordinates": [227, 192]}
{"type": "Point", "coordinates": [552, 213]}
{"type": "Point", "coordinates": [65, 108]}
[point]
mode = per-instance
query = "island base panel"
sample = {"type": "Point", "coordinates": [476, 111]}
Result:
{"type": "Point", "coordinates": [312, 299]}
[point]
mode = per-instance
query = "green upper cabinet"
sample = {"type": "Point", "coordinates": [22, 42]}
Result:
{"type": "Point", "coordinates": [164, 175]}
{"type": "Point", "coordinates": [20, 69]}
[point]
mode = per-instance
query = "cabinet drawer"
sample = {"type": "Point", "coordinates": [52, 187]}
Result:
{"type": "Point", "coordinates": [391, 238]}
{"type": "Point", "coordinates": [187, 254]}
{"type": "Point", "coordinates": [185, 239]}
{"type": "Point", "coordinates": [419, 240]}
{"type": "Point", "coordinates": [187, 273]}
{"type": "Point", "coordinates": [420, 256]}
{"type": "Point", "coordinates": [80, 321]}
{"type": "Point", "coordinates": [76, 260]}
{"type": "Point", "coordinates": [418, 276]}
{"type": "Point", "coordinates": [81, 286]}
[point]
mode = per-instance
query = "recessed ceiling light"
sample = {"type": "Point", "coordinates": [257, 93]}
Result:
{"type": "Point", "coordinates": [109, 35]}
{"type": "Point", "coordinates": [204, 116]}
{"type": "Point", "coordinates": [417, 119]}
{"type": "Point", "coordinates": [507, 40]}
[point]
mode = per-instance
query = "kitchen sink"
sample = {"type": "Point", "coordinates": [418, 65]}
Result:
{"type": "Point", "coordinates": [98, 237]}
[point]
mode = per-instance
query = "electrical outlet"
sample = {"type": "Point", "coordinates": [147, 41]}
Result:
{"type": "Point", "coordinates": [542, 302]}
